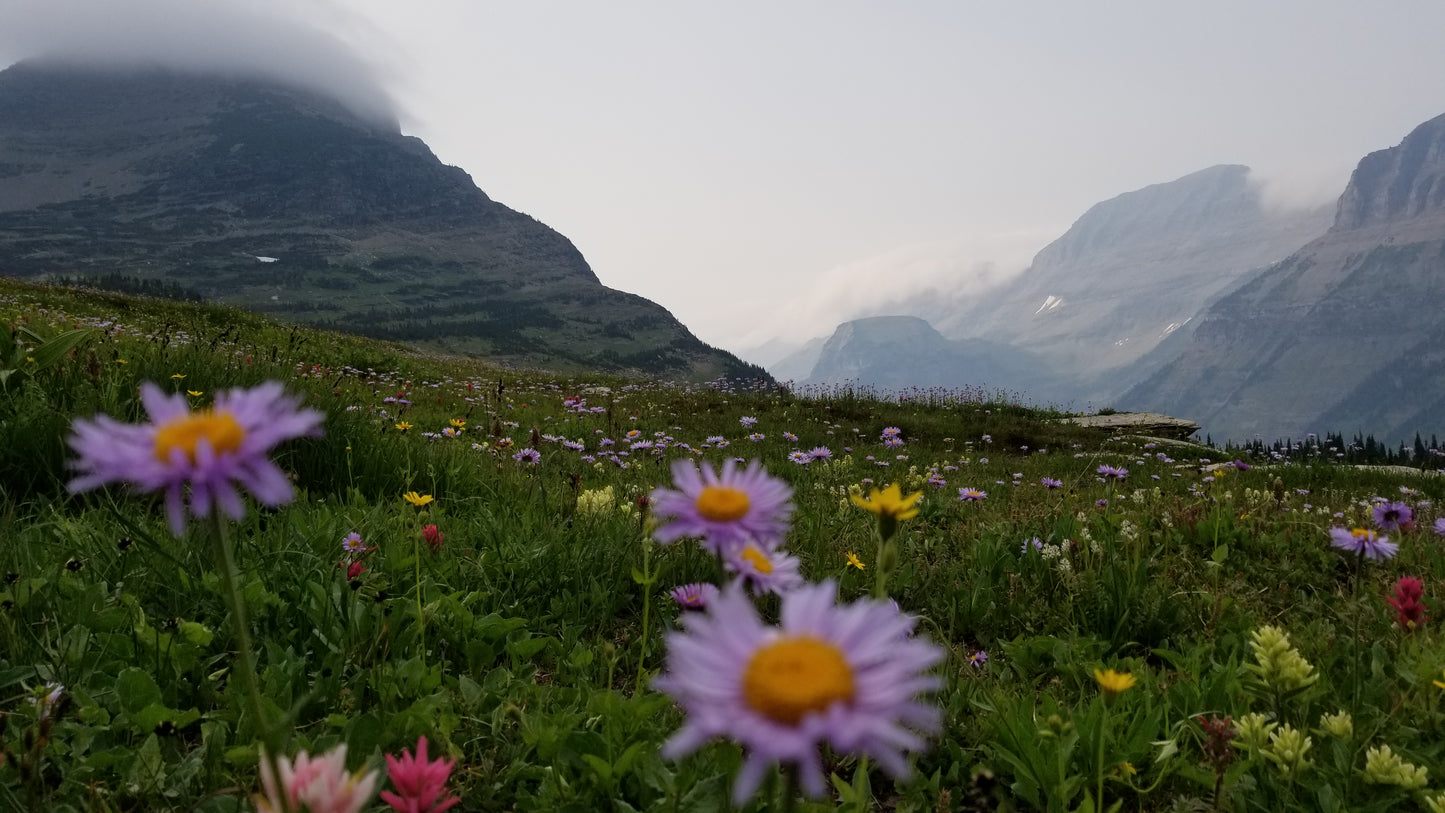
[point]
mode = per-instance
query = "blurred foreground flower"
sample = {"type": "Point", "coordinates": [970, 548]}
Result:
{"type": "Point", "coordinates": [211, 450]}
{"type": "Point", "coordinates": [313, 784]}
{"type": "Point", "coordinates": [420, 783]}
{"type": "Point", "coordinates": [724, 509]}
{"type": "Point", "coordinates": [1364, 542]}
{"type": "Point", "coordinates": [848, 676]}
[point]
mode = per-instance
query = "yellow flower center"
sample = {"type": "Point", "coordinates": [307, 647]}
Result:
{"type": "Point", "coordinates": [218, 429]}
{"type": "Point", "coordinates": [794, 677]}
{"type": "Point", "coordinates": [722, 504]}
{"type": "Point", "coordinates": [757, 559]}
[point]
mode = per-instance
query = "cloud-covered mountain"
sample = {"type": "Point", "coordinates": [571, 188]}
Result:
{"type": "Point", "coordinates": [281, 200]}
{"type": "Point", "coordinates": [1109, 300]}
{"type": "Point", "coordinates": [1132, 272]}
{"type": "Point", "coordinates": [1342, 335]}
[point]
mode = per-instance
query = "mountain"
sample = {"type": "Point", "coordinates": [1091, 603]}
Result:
{"type": "Point", "coordinates": [283, 201]}
{"type": "Point", "coordinates": [1134, 271]}
{"type": "Point", "coordinates": [1104, 305]}
{"type": "Point", "coordinates": [1342, 334]}
{"type": "Point", "coordinates": [899, 352]}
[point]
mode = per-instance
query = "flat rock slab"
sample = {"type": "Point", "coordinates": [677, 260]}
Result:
{"type": "Point", "coordinates": [1138, 423]}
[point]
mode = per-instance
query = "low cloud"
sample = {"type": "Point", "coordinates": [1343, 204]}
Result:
{"type": "Point", "coordinates": [927, 280]}
{"type": "Point", "coordinates": [313, 44]}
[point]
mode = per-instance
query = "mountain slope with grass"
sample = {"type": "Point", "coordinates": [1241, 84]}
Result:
{"type": "Point", "coordinates": [283, 202]}
{"type": "Point", "coordinates": [1342, 333]}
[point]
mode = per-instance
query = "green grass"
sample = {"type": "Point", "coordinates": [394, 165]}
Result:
{"type": "Point", "coordinates": [514, 647]}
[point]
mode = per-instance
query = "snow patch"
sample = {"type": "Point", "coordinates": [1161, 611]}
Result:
{"type": "Point", "coordinates": [1050, 303]}
{"type": "Point", "coordinates": [1173, 326]}
{"type": "Point", "coordinates": [267, 259]}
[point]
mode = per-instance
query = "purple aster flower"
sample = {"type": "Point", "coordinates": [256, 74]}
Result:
{"type": "Point", "coordinates": [694, 596]}
{"type": "Point", "coordinates": [1240, 465]}
{"type": "Point", "coordinates": [849, 676]}
{"type": "Point", "coordinates": [891, 432]}
{"type": "Point", "coordinates": [978, 659]}
{"type": "Point", "coordinates": [723, 508]}
{"type": "Point", "coordinates": [1118, 473]}
{"type": "Point", "coordinates": [353, 544]}
{"type": "Point", "coordinates": [1440, 526]}
{"type": "Point", "coordinates": [821, 453]}
{"type": "Point", "coordinates": [1363, 541]}
{"type": "Point", "coordinates": [971, 495]}
{"type": "Point", "coordinates": [747, 421]}
{"type": "Point", "coordinates": [212, 451]}
{"type": "Point", "coordinates": [800, 457]}
{"type": "Point", "coordinates": [1032, 544]}
{"type": "Point", "coordinates": [792, 438]}
{"type": "Point", "coordinates": [764, 569]}
{"type": "Point", "coordinates": [1392, 515]}
{"type": "Point", "coordinates": [1049, 482]}
{"type": "Point", "coordinates": [757, 436]}
{"type": "Point", "coordinates": [528, 456]}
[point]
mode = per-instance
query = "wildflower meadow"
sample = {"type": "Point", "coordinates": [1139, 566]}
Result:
{"type": "Point", "coordinates": [248, 566]}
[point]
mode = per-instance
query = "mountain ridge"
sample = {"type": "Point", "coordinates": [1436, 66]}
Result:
{"type": "Point", "coordinates": [285, 202]}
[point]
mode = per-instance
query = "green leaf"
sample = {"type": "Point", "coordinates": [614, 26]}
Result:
{"type": "Point", "coordinates": [599, 765]}
{"type": "Point", "coordinates": [56, 347]}
{"type": "Point", "coordinates": [136, 690]}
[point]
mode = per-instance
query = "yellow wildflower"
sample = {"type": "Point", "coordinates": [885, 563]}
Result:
{"type": "Point", "coordinates": [194, 393]}
{"type": "Point", "coordinates": [178, 376]}
{"type": "Point", "coordinates": [403, 426]}
{"type": "Point", "coordinates": [1113, 682]}
{"type": "Point", "coordinates": [419, 500]}
{"type": "Point", "coordinates": [854, 561]}
{"type": "Point", "coordinates": [890, 502]}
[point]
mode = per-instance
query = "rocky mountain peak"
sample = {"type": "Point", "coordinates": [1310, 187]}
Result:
{"type": "Point", "coordinates": [1397, 184]}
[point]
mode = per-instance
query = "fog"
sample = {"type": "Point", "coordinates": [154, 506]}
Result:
{"type": "Point", "coordinates": [319, 46]}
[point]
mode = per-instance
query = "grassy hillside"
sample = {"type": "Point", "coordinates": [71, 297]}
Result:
{"type": "Point", "coordinates": [518, 619]}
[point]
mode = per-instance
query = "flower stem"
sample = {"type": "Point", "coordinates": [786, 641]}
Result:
{"type": "Point", "coordinates": [646, 580]}
{"type": "Point", "coordinates": [271, 735]}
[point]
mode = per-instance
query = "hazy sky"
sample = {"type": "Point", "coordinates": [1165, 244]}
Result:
{"type": "Point", "coordinates": [768, 168]}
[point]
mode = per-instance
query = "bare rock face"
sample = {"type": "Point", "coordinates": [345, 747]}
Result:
{"type": "Point", "coordinates": [1340, 335]}
{"type": "Point", "coordinates": [276, 199]}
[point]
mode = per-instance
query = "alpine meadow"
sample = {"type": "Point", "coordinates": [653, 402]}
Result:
{"type": "Point", "coordinates": [249, 565]}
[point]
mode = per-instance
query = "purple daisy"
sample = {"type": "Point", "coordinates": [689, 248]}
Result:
{"type": "Point", "coordinates": [1049, 482]}
{"type": "Point", "coordinates": [800, 457]}
{"type": "Point", "coordinates": [722, 508]}
{"type": "Point", "coordinates": [849, 676]}
{"type": "Point", "coordinates": [1392, 515]}
{"type": "Point", "coordinates": [821, 453]}
{"type": "Point", "coordinates": [212, 450]}
{"type": "Point", "coordinates": [971, 495]}
{"type": "Point", "coordinates": [1363, 541]}
{"type": "Point", "coordinates": [694, 596]}
{"type": "Point", "coordinates": [353, 544]}
{"type": "Point", "coordinates": [762, 568]}
{"type": "Point", "coordinates": [1116, 472]}
{"type": "Point", "coordinates": [528, 456]}
{"type": "Point", "coordinates": [1440, 526]}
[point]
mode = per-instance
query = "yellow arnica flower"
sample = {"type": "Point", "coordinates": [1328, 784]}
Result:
{"type": "Point", "coordinates": [194, 393]}
{"type": "Point", "coordinates": [403, 426]}
{"type": "Point", "coordinates": [1440, 683]}
{"type": "Point", "coordinates": [854, 561]}
{"type": "Point", "coordinates": [416, 499]}
{"type": "Point", "coordinates": [1113, 682]}
{"type": "Point", "coordinates": [178, 376]}
{"type": "Point", "coordinates": [889, 502]}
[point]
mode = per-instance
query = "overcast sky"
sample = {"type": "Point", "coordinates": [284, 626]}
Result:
{"type": "Point", "coordinates": [768, 168]}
